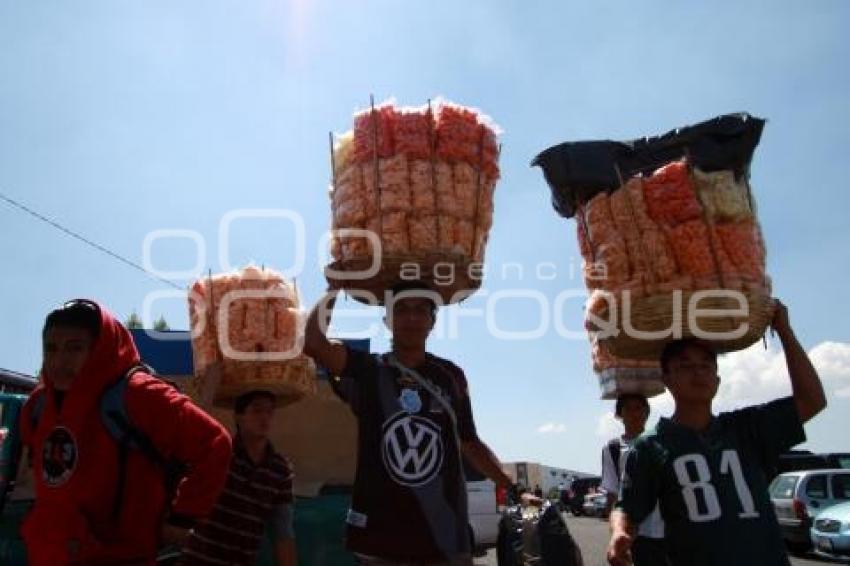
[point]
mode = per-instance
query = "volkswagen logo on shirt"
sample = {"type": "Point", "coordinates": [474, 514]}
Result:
{"type": "Point", "coordinates": [412, 449]}
{"type": "Point", "coordinates": [58, 457]}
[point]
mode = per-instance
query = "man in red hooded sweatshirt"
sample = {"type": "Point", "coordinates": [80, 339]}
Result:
{"type": "Point", "coordinates": [75, 459]}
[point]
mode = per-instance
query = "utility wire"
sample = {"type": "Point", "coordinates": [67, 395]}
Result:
{"type": "Point", "coordinates": [86, 241]}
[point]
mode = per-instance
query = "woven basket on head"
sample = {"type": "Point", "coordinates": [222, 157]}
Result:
{"type": "Point", "coordinates": [645, 382]}
{"type": "Point", "coordinates": [290, 381]}
{"type": "Point", "coordinates": [453, 276]}
{"type": "Point", "coordinates": [659, 312]}
{"type": "Point", "coordinates": [428, 201]}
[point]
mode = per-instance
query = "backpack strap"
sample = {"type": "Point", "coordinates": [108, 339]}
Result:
{"type": "Point", "coordinates": [614, 450]}
{"type": "Point", "coordinates": [428, 386]}
{"type": "Point", "coordinates": [36, 410]}
{"type": "Point", "coordinates": [113, 411]}
{"type": "Point", "coordinates": [37, 397]}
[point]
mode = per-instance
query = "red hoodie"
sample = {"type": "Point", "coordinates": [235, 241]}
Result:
{"type": "Point", "coordinates": [75, 462]}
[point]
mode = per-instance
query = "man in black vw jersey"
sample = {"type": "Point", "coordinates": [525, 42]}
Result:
{"type": "Point", "coordinates": [415, 428]}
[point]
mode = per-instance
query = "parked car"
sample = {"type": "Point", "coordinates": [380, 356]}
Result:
{"type": "Point", "coordinates": [484, 514]}
{"type": "Point", "coordinates": [799, 460]}
{"type": "Point", "coordinates": [799, 496]}
{"type": "Point", "coordinates": [595, 504]}
{"type": "Point", "coordinates": [573, 498]}
{"type": "Point", "coordinates": [831, 532]}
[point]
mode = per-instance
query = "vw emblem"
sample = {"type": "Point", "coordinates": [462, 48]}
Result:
{"type": "Point", "coordinates": [412, 449]}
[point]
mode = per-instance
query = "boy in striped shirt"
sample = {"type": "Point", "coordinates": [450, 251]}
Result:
{"type": "Point", "coordinates": [257, 495]}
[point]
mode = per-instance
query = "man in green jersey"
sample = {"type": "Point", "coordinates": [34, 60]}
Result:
{"type": "Point", "coordinates": [709, 474]}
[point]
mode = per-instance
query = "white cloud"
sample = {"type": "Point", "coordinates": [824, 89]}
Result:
{"type": "Point", "coordinates": [552, 428]}
{"type": "Point", "coordinates": [756, 375]}
{"type": "Point", "coordinates": [832, 360]}
{"type": "Point", "coordinates": [607, 426]}
{"type": "Point", "coordinates": [660, 405]}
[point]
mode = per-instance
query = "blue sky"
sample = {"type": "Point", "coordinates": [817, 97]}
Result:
{"type": "Point", "coordinates": [121, 118]}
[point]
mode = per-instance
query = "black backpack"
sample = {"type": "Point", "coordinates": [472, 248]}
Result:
{"type": "Point", "coordinates": [113, 414]}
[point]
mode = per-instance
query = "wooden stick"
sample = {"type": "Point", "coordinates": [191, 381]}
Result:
{"type": "Point", "coordinates": [410, 202]}
{"type": "Point", "coordinates": [374, 120]}
{"type": "Point", "coordinates": [432, 149]}
{"type": "Point", "coordinates": [333, 160]}
{"type": "Point", "coordinates": [477, 192]}
{"type": "Point", "coordinates": [646, 256]}
{"type": "Point", "coordinates": [210, 380]}
{"type": "Point", "coordinates": [756, 224]}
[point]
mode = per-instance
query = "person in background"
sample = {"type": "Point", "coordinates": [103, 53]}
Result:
{"type": "Point", "coordinates": [633, 410]}
{"type": "Point", "coordinates": [257, 496]}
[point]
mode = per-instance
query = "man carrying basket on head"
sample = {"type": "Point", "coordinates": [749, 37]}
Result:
{"type": "Point", "coordinates": [710, 474]}
{"type": "Point", "coordinates": [416, 426]}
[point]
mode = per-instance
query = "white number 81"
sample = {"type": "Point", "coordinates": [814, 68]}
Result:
{"type": "Point", "coordinates": [729, 463]}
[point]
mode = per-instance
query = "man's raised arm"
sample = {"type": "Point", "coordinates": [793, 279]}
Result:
{"type": "Point", "coordinates": [331, 355]}
{"type": "Point", "coordinates": [805, 382]}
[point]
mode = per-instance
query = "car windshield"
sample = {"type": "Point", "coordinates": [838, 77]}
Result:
{"type": "Point", "coordinates": [783, 487]}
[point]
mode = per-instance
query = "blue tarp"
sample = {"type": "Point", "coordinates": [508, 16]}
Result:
{"type": "Point", "coordinates": [170, 352]}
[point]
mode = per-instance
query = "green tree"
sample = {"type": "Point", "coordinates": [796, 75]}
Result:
{"type": "Point", "coordinates": [133, 321]}
{"type": "Point", "coordinates": [160, 325]}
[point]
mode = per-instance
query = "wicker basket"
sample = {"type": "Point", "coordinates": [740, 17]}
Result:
{"type": "Point", "coordinates": [657, 312]}
{"type": "Point", "coordinates": [453, 276]}
{"type": "Point", "coordinates": [290, 381]}
{"type": "Point", "coordinates": [626, 381]}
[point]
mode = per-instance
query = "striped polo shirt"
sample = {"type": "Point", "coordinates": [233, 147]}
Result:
{"type": "Point", "coordinates": [251, 496]}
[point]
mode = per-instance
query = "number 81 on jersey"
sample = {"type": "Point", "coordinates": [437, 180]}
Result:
{"type": "Point", "coordinates": [700, 488]}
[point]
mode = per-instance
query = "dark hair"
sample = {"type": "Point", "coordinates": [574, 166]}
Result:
{"type": "Point", "coordinates": [79, 313]}
{"type": "Point", "coordinates": [242, 402]}
{"type": "Point", "coordinates": [415, 285]}
{"type": "Point", "coordinates": [622, 399]}
{"type": "Point", "coordinates": [676, 347]}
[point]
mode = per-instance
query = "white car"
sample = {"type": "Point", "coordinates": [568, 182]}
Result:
{"type": "Point", "coordinates": [595, 504]}
{"type": "Point", "coordinates": [484, 512]}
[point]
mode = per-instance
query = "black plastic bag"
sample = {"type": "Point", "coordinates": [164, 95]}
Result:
{"type": "Point", "coordinates": [577, 171]}
{"type": "Point", "coordinates": [540, 538]}
{"type": "Point", "coordinates": [557, 546]}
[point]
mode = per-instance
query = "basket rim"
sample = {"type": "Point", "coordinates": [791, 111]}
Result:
{"type": "Point", "coordinates": [461, 287]}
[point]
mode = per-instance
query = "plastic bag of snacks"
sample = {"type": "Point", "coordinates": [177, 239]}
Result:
{"type": "Point", "coordinates": [421, 181]}
{"type": "Point", "coordinates": [250, 322]}
{"type": "Point", "coordinates": [670, 240]}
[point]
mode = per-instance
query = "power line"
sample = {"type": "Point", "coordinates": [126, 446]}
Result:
{"type": "Point", "coordinates": [86, 241]}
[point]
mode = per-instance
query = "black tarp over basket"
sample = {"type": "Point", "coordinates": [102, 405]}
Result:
{"type": "Point", "coordinates": [577, 171]}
